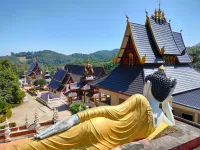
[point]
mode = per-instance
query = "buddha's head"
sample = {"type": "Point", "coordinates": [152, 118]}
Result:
{"type": "Point", "coordinates": [158, 86]}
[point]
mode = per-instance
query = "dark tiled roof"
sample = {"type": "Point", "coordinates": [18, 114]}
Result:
{"type": "Point", "coordinates": [77, 71]}
{"type": "Point", "coordinates": [187, 77]}
{"type": "Point", "coordinates": [180, 43]}
{"type": "Point", "coordinates": [164, 37]}
{"type": "Point", "coordinates": [123, 79]}
{"type": "Point", "coordinates": [144, 43]}
{"type": "Point", "coordinates": [190, 99]}
{"type": "Point", "coordinates": [33, 68]}
{"type": "Point", "coordinates": [59, 80]}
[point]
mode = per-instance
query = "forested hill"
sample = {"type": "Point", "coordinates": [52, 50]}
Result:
{"type": "Point", "coordinates": [51, 60]}
{"type": "Point", "coordinates": [48, 57]}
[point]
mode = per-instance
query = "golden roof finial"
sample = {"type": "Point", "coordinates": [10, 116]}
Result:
{"type": "Point", "coordinates": [161, 68]}
{"type": "Point", "coordinates": [34, 59]}
{"type": "Point", "coordinates": [163, 15]}
{"type": "Point", "coordinates": [155, 13]}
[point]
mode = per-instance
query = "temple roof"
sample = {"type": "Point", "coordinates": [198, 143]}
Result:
{"type": "Point", "coordinates": [123, 79]}
{"type": "Point", "coordinates": [59, 80]}
{"type": "Point", "coordinates": [144, 43]}
{"type": "Point", "coordinates": [164, 37]}
{"type": "Point", "coordinates": [77, 71]}
{"type": "Point", "coordinates": [180, 43]}
{"type": "Point", "coordinates": [190, 99]}
{"type": "Point", "coordinates": [187, 77]}
{"type": "Point", "coordinates": [34, 66]}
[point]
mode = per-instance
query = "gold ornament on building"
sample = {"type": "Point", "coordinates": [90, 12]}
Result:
{"type": "Point", "coordinates": [161, 68]}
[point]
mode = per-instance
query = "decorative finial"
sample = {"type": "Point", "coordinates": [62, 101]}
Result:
{"type": "Point", "coordinates": [155, 13]}
{"type": "Point", "coordinates": [146, 13]}
{"type": "Point", "coordinates": [170, 20]}
{"type": "Point", "coordinates": [181, 31]}
{"type": "Point", "coordinates": [88, 62]}
{"type": "Point", "coordinates": [163, 15]}
{"type": "Point", "coordinates": [127, 18]}
{"type": "Point", "coordinates": [34, 59]}
{"type": "Point", "coordinates": [161, 68]}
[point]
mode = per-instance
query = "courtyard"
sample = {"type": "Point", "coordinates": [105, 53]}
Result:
{"type": "Point", "coordinates": [31, 106]}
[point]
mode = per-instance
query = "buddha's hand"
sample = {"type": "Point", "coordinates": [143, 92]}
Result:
{"type": "Point", "coordinates": [59, 127]}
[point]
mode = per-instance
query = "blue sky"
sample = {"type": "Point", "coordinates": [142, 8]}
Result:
{"type": "Point", "coordinates": [69, 26]}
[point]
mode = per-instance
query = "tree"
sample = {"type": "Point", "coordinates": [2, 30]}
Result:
{"type": "Point", "coordinates": [77, 107]}
{"type": "Point", "coordinates": [36, 83]}
{"type": "Point", "coordinates": [42, 82]}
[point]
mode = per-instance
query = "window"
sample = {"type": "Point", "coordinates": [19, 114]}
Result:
{"type": "Point", "coordinates": [188, 117]}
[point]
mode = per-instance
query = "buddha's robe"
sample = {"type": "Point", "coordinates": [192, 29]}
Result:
{"type": "Point", "coordinates": [101, 128]}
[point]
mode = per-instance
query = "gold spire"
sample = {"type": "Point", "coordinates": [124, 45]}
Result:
{"type": "Point", "coordinates": [161, 68]}
{"type": "Point", "coordinates": [163, 15]}
{"type": "Point", "coordinates": [34, 59]}
{"type": "Point", "coordinates": [88, 62]}
{"type": "Point", "coordinates": [155, 13]}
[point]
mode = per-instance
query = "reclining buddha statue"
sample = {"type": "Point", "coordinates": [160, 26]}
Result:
{"type": "Point", "coordinates": [107, 127]}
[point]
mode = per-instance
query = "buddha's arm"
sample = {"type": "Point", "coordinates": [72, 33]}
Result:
{"type": "Point", "coordinates": [167, 109]}
{"type": "Point", "coordinates": [59, 127]}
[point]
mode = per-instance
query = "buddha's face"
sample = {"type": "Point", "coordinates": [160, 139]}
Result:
{"type": "Point", "coordinates": [157, 86]}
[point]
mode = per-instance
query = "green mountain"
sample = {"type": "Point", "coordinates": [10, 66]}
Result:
{"type": "Point", "coordinates": [52, 60]}
{"type": "Point", "coordinates": [48, 57]}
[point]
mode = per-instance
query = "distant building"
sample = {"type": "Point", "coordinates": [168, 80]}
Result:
{"type": "Point", "coordinates": [34, 73]}
{"type": "Point", "coordinates": [144, 48]}
{"type": "Point", "coordinates": [72, 81]}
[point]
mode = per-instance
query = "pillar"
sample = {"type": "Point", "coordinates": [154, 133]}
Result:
{"type": "Point", "coordinates": [196, 117]}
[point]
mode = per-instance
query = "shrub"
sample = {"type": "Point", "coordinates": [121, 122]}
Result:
{"type": "Point", "coordinates": [8, 114]}
{"type": "Point", "coordinates": [76, 107]}
{"type": "Point", "coordinates": [11, 125]}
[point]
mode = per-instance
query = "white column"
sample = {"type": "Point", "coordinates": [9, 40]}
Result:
{"type": "Point", "coordinates": [7, 131]}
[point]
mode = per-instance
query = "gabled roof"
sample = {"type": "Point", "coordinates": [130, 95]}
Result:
{"type": "Point", "coordinates": [142, 41]}
{"type": "Point", "coordinates": [77, 71]}
{"type": "Point", "coordinates": [187, 77]}
{"type": "Point", "coordinates": [59, 80]}
{"type": "Point", "coordinates": [190, 99]}
{"type": "Point", "coordinates": [180, 43]}
{"type": "Point", "coordinates": [163, 37]}
{"type": "Point", "coordinates": [123, 79]}
{"type": "Point", "coordinates": [34, 66]}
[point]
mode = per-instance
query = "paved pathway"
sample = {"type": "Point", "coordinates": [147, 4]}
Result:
{"type": "Point", "coordinates": [29, 107]}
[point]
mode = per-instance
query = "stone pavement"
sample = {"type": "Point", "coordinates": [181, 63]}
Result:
{"type": "Point", "coordinates": [29, 107]}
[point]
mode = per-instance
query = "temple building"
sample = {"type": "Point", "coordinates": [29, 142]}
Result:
{"type": "Point", "coordinates": [72, 81]}
{"type": "Point", "coordinates": [35, 72]}
{"type": "Point", "coordinates": [143, 50]}
{"type": "Point", "coordinates": [60, 83]}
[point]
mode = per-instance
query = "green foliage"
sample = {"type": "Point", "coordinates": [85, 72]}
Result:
{"type": "Point", "coordinates": [11, 125]}
{"type": "Point", "coordinates": [10, 92]}
{"type": "Point", "coordinates": [36, 83]}
{"type": "Point", "coordinates": [42, 82]}
{"type": "Point", "coordinates": [195, 53]}
{"type": "Point", "coordinates": [8, 114]}
{"type": "Point", "coordinates": [77, 107]}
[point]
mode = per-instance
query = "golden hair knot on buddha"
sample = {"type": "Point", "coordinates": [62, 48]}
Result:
{"type": "Point", "coordinates": [107, 127]}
